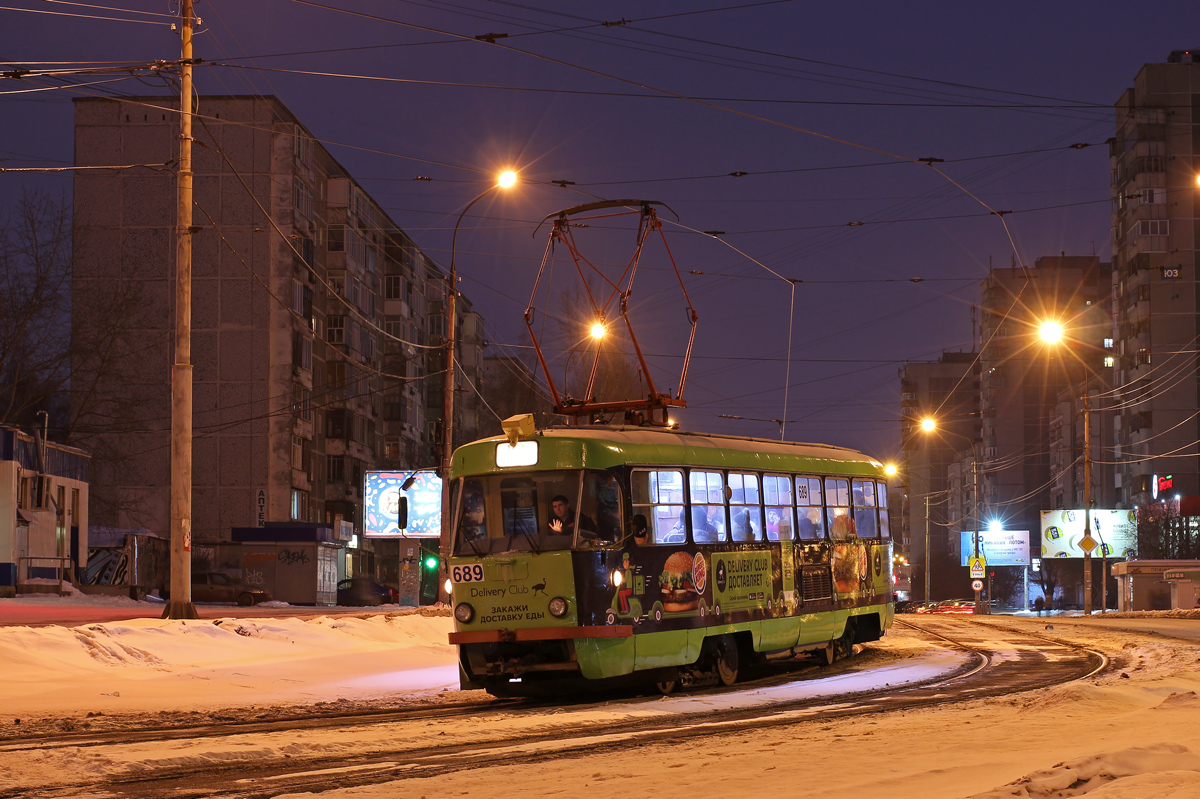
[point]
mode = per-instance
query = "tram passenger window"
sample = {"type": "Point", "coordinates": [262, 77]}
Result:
{"type": "Point", "coordinates": [809, 524]}
{"type": "Point", "coordinates": [866, 524]}
{"type": "Point", "coordinates": [658, 495]}
{"type": "Point", "coordinates": [708, 507]}
{"type": "Point", "coordinates": [600, 509]}
{"type": "Point", "coordinates": [881, 496]}
{"type": "Point", "coordinates": [777, 491]}
{"type": "Point", "coordinates": [837, 513]}
{"type": "Point", "coordinates": [745, 508]}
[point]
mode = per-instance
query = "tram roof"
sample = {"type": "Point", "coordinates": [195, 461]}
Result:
{"type": "Point", "coordinates": [601, 446]}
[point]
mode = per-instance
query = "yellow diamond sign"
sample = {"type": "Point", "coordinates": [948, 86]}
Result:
{"type": "Point", "coordinates": [1087, 543]}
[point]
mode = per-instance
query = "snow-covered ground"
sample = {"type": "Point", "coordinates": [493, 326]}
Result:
{"type": "Point", "coordinates": [1133, 731]}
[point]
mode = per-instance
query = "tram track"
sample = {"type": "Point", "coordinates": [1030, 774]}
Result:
{"type": "Point", "coordinates": [1012, 661]}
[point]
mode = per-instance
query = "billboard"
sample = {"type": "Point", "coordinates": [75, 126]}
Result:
{"type": "Point", "coordinates": [1113, 530]}
{"type": "Point", "coordinates": [998, 547]}
{"type": "Point", "coordinates": [381, 502]}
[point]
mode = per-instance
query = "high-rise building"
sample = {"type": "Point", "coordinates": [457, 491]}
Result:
{"type": "Point", "coordinates": [1022, 377]}
{"type": "Point", "coordinates": [948, 390]}
{"type": "Point", "coordinates": [313, 336]}
{"type": "Point", "coordinates": [1155, 158]}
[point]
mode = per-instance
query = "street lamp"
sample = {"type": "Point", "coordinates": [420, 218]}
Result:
{"type": "Point", "coordinates": [930, 425]}
{"type": "Point", "coordinates": [1051, 332]}
{"type": "Point", "coordinates": [504, 180]}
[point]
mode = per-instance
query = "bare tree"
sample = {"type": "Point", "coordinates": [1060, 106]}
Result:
{"type": "Point", "coordinates": [61, 350]}
{"type": "Point", "coordinates": [35, 314]}
{"type": "Point", "coordinates": [1163, 533]}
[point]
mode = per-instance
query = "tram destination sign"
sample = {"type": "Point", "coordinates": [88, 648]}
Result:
{"type": "Point", "coordinates": [998, 547]}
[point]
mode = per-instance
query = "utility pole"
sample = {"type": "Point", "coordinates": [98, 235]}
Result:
{"type": "Point", "coordinates": [180, 605]}
{"type": "Point", "coordinates": [979, 606]}
{"type": "Point", "coordinates": [1087, 543]}
{"type": "Point", "coordinates": [448, 398]}
{"type": "Point", "coordinates": [928, 560]}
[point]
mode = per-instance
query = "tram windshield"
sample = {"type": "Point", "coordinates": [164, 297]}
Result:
{"type": "Point", "coordinates": [537, 512]}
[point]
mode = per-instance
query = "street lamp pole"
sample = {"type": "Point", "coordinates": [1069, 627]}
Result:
{"type": "Point", "coordinates": [505, 181]}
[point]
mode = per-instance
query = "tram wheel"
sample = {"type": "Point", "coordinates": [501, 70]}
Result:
{"type": "Point", "coordinates": [667, 687]}
{"type": "Point", "coordinates": [726, 651]}
{"type": "Point", "coordinates": [827, 655]}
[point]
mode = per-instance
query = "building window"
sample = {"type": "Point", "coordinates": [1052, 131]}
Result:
{"type": "Point", "coordinates": [335, 329]}
{"type": "Point", "coordinates": [1109, 360]}
{"type": "Point", "coordinates": [393, 287]}
{"type": "Point", "coordinates": [303, 200]}
{"type": "Point", "coordinates": [1108, 343]}
{"type": "Point", "coordinates": [1154, 227]}
{"type": "Point", "coordinates": [301, 351]}
{"type": "Point", "coordinates": [335, 467]}
{"type": "Point", "coordinates": [1142, 356]}
{"type": "Point", "coordinates": [297, 505]}
{"type": "Point", "coordinates": [391, 448]}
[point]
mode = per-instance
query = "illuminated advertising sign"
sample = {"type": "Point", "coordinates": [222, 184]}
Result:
{"type": "Point", "coordinates": [998, 547]}
{"type": "Point", "coordinates": [1161, 484]}
{"type": "Point", "coordinates": [381, 504]}
{"type": "Point", "coordinates": [1114, 531]}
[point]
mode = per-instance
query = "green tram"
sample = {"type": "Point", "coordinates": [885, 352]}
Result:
{"type": "Point", "coordinates": [610, 555]}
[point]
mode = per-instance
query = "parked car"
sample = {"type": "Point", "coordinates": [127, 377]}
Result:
{"type": "Point", "coordinates": [958, 607]}
{"type": "Point", "coordinates": [363, 590]}
{"type": "Point", "coordinates": [220, 587]}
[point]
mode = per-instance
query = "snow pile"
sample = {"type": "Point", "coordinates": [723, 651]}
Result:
{"type": "Point", "coordinates": [1164, 771]}
{"type": "Point", "coordinates": [150, 664]}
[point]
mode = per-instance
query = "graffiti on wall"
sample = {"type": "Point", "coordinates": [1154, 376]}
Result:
{"type": "Point", "coordinates": [106, 566]}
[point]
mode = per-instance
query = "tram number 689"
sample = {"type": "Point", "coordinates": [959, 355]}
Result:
{"type": "Point", "coordinates": [467, 574]}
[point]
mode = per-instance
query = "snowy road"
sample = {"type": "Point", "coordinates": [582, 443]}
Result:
{"type": "Point", "coordinates": [374, 751]}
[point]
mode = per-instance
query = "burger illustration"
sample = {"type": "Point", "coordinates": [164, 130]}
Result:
{"type": "Point", "coordinates": [677, 584]}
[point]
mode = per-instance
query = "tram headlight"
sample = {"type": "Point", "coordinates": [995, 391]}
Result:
{"type": "Point", "coordinates": [557, 607]}
{"type": "Point", "coordinates": [464, 612]}
{"type": "Point", "coordinates": [449, 586]}
{"type": "Point", "coordinates": [617, 578]}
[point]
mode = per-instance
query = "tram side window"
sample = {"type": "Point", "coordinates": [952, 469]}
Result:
{"type": "Point", "coordinates": [777, 491]}
{"type": "Point", "coordinates": [601, 502]}
{"type": "Point", "coordinates": [708, 507]}
{"type": "Point", "coordinates": [659, 498]}
{"type": "Point", "coordinates": [837, 513]}
{"type": "Point", "coordinates": [745, 508]}
{"type": "Point", "coordinates": [881, 496]}
{"type": "Point", "coordinates": [810, 526]}
{"type": "Point", "coordinates": [866, 521]}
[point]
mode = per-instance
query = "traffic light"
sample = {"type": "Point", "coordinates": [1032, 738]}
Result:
{"type": "Point", "coordinates": [432, 562]}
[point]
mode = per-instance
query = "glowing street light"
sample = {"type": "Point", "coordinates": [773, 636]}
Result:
{"type": "Point", "coordinates": [1051, 332]}
{"type": "Point", "coordinates": [890, 470]}
{"type": "Point", "coordinates": [503, 181]}
{"type": "Point", "coordinates": [599, 330]}
{"type": "Point", "coordinates": [929, 424]}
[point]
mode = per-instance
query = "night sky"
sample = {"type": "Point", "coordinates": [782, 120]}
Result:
{"type": "Point", "coordinates": [820, 104]}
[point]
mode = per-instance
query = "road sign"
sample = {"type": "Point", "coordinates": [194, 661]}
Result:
{"type": "Point", "coordinates": [1087, 543]}
{"type": "Point", "coordinates": [978, 567]}
{"type": "Point", "coordinates": [977, 585]}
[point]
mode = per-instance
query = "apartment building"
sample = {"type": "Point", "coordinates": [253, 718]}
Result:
{"type": "Point", "coordinates": [1022, 377]}
{"type": "Point", "coordinates": [313, 336]}
{"type": "Point", "coordinates": [1155, 159]}
{"type": "Point", "coordinates": [946, 389]}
